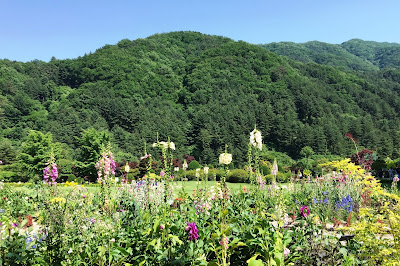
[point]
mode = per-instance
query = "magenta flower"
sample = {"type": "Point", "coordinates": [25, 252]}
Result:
{"type": "Point", "coordinates": [193, 231]}
{"type": "Point", "coordinates": [14, 225]}
{"type": "Point", "coordinates": [54, 173]}
{"type": "Point", "coordinates": [304, 211]}
{"type": "Point", "coordinates": [46, 174]}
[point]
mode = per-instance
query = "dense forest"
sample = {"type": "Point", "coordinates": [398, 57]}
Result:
{"type": "Point", "coordinates": [206, 91]}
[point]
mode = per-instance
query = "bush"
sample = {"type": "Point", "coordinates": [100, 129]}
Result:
{"type": "Point", "coordinates": [65, 166]}
{"type": "Point", "coordinates": [193, 165]}
{"type": "Point", "coordinates": [215, 174]}
{"type": "Point", "coordinates": [282, 177]}
{"type": "Point", "coordinates": [238, 176]}
{"type": "Point", "coordinates": [72, 177]}
{"type": "Point", "coordinates": [269, 179]}
{"type": "Point", "coordinates": [265, 167]}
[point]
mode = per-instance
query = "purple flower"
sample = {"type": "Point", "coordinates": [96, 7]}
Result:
{"type": "Point", "coordinates": [193, 231]}
{"type": "Point", "coordinates": [14, 225]}
{"type": "Point", "coordinates": [54, 173]}
{"type": "Point", "coordinates": [304, 211]}
{"type": "Point", "coordinates": [46, 171]}
{"type": "Point", "coordinates": [92, 220]}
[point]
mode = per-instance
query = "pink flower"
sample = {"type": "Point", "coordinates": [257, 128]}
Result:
{"type": "Point", "coordinates": [84, 196]}
{"type": "Point", "coordinates": [224, 242]}
{"type": "Point", "coordinates": [162, 173]}
{"type": "Point", "coordinates": [162, 227]}
{"type": "Point", "coordinates": [286, 252]}
{"type": "Point", "coordinates": [304, 211]}
{"type": "Point", "coordinates": [193, 231]}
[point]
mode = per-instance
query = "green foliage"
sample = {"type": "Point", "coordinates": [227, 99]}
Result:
{"type": "Point", "coordinates": [90, 146]}
{"type": "Point", "coordinates": [306, 152]}
{"type": "Point", "coordinates": [238, 176]}
{"type": "Point", "coordinates": [8, 152]}
{"type": "Point", "coordinates": [35, 152]}
{"type": "Point", "coordinates": [193, 165]}
{"type": "Point", "coordinates": [206, 91]}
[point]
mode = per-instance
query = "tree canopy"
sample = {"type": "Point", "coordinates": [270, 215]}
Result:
{"type": "Point", "coordinates": [206, 91]}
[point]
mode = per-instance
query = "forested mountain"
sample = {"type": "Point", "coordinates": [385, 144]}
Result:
{"type": "Point", "coordinates": [204, 92]}
{"type": "Point", "coordinates": [355, 54]}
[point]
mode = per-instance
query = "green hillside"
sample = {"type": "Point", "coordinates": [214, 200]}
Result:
{"type": "Point", "coordinates": [355, 54]}
{"type": "Point", "coordinates": [382, 55]}
{"type": "Point", "coordinates": [203, 92]}
{"type": "Point", "coordinates": [321, 53]}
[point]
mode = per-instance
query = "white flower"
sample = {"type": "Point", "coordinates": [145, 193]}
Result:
{"type": "Point", "coordinates": [185, 165]}
{"type": "Point", "coordinates": [198, 172]}
{"type": "Point", "coordinates": [127, 168]}
{"type": "Point", "coordinates": [256, 139]}
{"type": "Point", "coordinates": [176, 169]}
{"type": "Point", "coordinates": [205, 170]}
{"type": "Point", "coordinates": [225, 158]}
{"type": "Point", "coordinates": [172, 145]}
{"type": "Point", "coordinates": [165, 145]}
{"type": "Point", "coordinates": [70, 250]}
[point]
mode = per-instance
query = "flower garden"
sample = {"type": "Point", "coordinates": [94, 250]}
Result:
{"type": "Point", "coordinates": [344, 217]}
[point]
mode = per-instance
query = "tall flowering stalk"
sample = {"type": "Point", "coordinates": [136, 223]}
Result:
{"type": "Point", "coordinates": [166, 149]}
{"type": "Point", "coordinates": [274, 170]}
{"type": "Point", "coordinates": [105, 167]}
{"type": "Point", "coordinates": [255, 146]}
{"type": "Point", "coordinates": [225, 159]}
{"type": "Point", "coordinates": [50, 172]}
{"type": "Point", "coordinates": [394, 183]}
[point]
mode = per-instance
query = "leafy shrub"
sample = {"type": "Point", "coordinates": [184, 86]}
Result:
{"type": "Point", "coordinates": [265, 167]}
{"type": "Point", "coordinates": [238, 176]}
{"type": "Point", "coordinates": [215, 174]}
{"type": "Point", "coordinates": [269, 179]}
{"type": "Point", "coordinates": [76, 179]}
{"type": "Point", "coordinates": [282, 177]}
{"type": "Point", "coordinates": [193, 165]}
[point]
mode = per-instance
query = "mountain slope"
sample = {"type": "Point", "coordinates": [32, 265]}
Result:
{"type": "Point", "coordinates": [355, 54]}
{"type": "Point", "coordinates": [321, 53]}
{"type": "Point", "coordinates": [203, 92]}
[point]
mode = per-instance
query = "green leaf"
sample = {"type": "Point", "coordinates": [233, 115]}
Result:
{"type": "Point", "coordinates": [254, 262]}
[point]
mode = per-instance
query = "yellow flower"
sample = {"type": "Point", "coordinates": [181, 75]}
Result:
{"type": "Point", "coordinates": [58, 200]}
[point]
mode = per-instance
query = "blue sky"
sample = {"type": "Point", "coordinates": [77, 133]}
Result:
{"type": "Point", "coordinates": [40, 29]}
